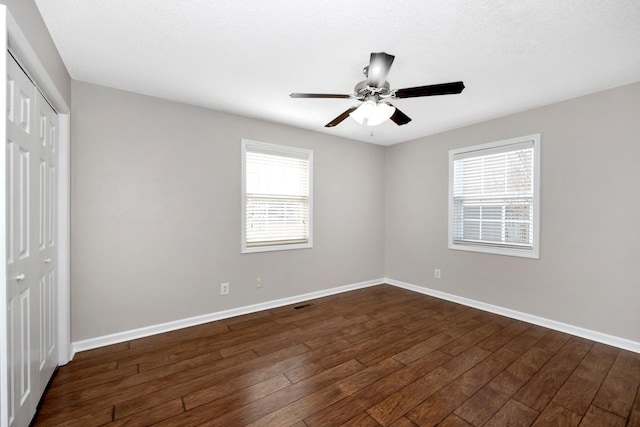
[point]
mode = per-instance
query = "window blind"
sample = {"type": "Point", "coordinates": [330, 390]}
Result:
{"type": "Point", "coordinates": [276, 198]}
{"type": "Point", "coordinates": [493, 196]}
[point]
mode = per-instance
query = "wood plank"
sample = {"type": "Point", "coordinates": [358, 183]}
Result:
{"type": "Point", "coordinates": [425, 347]}
{"type": "Point", "coordinates": [264, 344]}
{"type": "Point", "coordinates": [556, 415]}
{"type": "Point", "coordinates": [509, 332]}
{"type": "Point", "coordinates": [402, 401]}
{"type": "Point", "coordinates": [145, 383]}
{"type": "Point", "coordinates": [583, 384]}
{"type": "Point", "coordinates": [616, 395]}
{"type": "Point", "coordinates": [474, 379]}
{"type": "Point", "coordinates": [403, 343]}
{"type": "Point", "coordinates": [543, 386]}
{"type": "Point", "coordinates": [362, 420]}
{"type": "Point", "coordinates": [520, 371]}
{"type": "Point", "coordinates": [108, 350]}
{"type": "Point", "coordinates": [205, 330]}
{"type": "Point", "coordinates": [246, 384]}
{"type": "Point", "coordinates": [620, 386]}
{"type": "Point", "coordinates": [553, 341]}
{"type": "Point", "coordinates": [165, 389]}
{"type": "Point", "coordinates": [403, 422]}
{"type": "Point", "coordinates": [100, 414]}
{"type": "Point", "coordinates": [314, 365]}
{"type": "Point", "coordinates": [60, 388]}
{"type": "Point", "coordinates": [306, 406]}
{"type": "Point", "coordinates": [454, 421]}
{"type": "Point", "coordinates": [244, 396]}
{"type": "Point", "coordinates": [172, 354]}
{"type": "Point", "coordinates": [527, 339]}
{"type": "Point", "coordinates": [347, 408]}
{"type": "Point", "coordinates": [470, 339]}
{"type": "Point", "coordinates": [356, 328]}
{"type": "Point", "coordinates": [437, 407]}
{"type": "Point", "coordinates": [73, 372]}
{"type": "Point", "coordinates": [480, 407]}
{"type": "Point", "coordinates": [265, 406]}
{"type": "Point", "coordinates": [152, 415]}
{"type": "Point", "coordinates": [596, 417]}
{"type": "Point", "coordinates": [513, 414]}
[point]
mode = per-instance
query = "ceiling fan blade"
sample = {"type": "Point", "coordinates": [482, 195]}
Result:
{"type": "Point", "coordinates": [379, 65]}
{"type": "Point", "coordinates": [319, 95]}
{"type": "Point", "coordinates": [399, 117]}
{"type": "Point", "coordinates": [430, 90]}
{"type": "Point", "coordinates": [340, 118]}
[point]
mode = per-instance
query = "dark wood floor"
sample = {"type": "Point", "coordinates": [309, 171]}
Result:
{"type": "Point", "coordinates": [377, 356]}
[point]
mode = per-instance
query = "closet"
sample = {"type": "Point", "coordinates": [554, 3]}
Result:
{"type": "Point", "coordinates": [31, 239]}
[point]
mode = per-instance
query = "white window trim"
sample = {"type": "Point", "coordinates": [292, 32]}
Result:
{"type": "Point", "coordinates": [284, 150]}
{"type": "Point", "coordinates": [526, 253]}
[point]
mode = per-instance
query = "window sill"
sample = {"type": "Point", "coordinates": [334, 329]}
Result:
{"type": "Point", "coordinates": [521, 253]}
{"type": "Point", "coordinates": [273, 248]}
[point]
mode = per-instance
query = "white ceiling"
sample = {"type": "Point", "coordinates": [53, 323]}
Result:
{"type": "Point", "coordinates": [246, 56]}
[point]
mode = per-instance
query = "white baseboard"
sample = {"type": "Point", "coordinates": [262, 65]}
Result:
{"type": "Point", "coordinates": [198, 320]}
{"type": "Point", "coordinates": [525, 317]}
{"type": "Point", "coordinates": [119, 337]}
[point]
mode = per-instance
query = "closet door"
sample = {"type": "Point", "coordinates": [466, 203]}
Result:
{"type": "Point", "coordinates": [46, 230]}
{"type": "Point", "coordinates": [22, 274]}
{"type": "Point", "coordinates": [31, 238]}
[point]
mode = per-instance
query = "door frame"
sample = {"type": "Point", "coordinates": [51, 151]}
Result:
{"type": "Point", "coordinates": [12, 38]}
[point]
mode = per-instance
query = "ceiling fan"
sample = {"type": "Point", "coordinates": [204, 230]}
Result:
{"type": "Point", "coordinates": [375, 93]}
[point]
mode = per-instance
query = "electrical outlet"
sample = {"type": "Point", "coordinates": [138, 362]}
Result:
{"type": "Point", "coordinates": [436, 273]}
{"type": "Point", "coordinates": [224, 289]}
{"type": "Point", "coordinates": [258, 282]}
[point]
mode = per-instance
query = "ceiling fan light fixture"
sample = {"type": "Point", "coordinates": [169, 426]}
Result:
{"type": "Point", "coordinates": [372, 113]}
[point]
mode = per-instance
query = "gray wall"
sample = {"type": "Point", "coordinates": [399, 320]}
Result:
{"type": "Point", "coordinates": [588, 274]}
{"type": "Point", "coordinates": [156, 213]}
{"type": "Point", "coordinates": [30, 21]}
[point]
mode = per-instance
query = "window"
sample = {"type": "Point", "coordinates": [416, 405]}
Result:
{"type": "Point", "coordinates": [494, 197]}
{"type": "Point", "coordinates": [277, 193]}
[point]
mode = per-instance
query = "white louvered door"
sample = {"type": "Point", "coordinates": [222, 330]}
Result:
{"type": "Point", "coordinates": [31, 287]}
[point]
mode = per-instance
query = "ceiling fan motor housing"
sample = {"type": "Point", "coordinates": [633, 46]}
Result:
{"type": "Point", "coordinates": [362, 90]}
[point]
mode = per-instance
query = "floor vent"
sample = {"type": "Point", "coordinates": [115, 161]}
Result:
{"type": "Point", "coordinates": [298, 307]}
